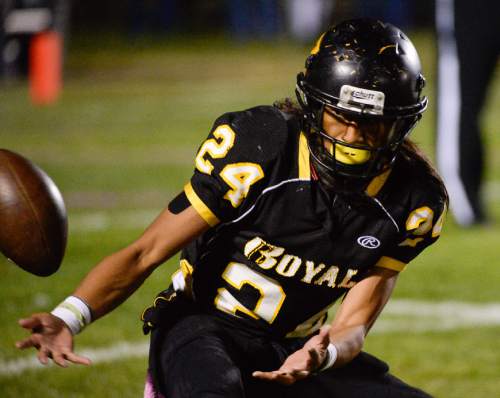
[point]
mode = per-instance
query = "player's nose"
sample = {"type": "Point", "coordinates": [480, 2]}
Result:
{"type": "Point", "coordinates": [352, 135]}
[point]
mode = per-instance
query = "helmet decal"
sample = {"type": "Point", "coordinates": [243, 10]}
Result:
{"type": "Point", "coordinates": [317, 46]}
{"type": "Point", "coordinates": [395, 46]}
{"type": "Point", "coordinates": [358, 99]}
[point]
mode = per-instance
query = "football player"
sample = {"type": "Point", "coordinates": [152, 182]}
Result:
{"type": "Point", "coordinates": [290, 208]}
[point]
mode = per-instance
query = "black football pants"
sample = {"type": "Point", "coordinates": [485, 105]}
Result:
{"type": "Point", "coordinates": [201, 356]}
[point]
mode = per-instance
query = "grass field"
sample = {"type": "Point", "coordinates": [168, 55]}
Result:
{"type": "Point", "coordinates": [120, 144]}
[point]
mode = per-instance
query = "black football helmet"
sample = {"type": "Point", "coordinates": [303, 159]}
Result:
{"type": "Point", "coordinates": [365, 71]}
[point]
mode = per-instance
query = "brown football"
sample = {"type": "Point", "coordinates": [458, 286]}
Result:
{"type": "Point", "coordinates": [33, 220]}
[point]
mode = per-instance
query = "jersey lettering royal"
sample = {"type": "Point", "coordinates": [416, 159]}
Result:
{"type": "Point", "coordinates": [281, 250]}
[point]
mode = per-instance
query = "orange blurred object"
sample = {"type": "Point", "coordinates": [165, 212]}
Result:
{"type": "Point", "coordinates": [45, 67]}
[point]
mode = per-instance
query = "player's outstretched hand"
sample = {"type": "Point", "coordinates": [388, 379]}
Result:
{"type": "Point", "coordinates": [301, 363]}
{"type": "Point", "coordinates": [52, 338]}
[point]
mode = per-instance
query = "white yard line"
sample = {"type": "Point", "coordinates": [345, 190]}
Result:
{"type": "Point", "coordinates": [102, 220]}
{"type": "Point", "coordinates": [423, 316]}
{"type": "Point", "coordinates": [122, 350]}
{"type": "Point", "coordinates": [411, 316]}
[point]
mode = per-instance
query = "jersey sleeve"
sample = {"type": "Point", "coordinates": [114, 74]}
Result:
{"type": "Point", "coordinates": [422, 228]}
{"type": "Point", "coordinates": [234, 163]}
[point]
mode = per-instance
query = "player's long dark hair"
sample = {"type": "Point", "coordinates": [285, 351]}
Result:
{"type": "Point", "coordinates": [409, 150]}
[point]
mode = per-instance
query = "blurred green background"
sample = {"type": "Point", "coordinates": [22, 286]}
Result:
{"type": "Point", "coordinates": [120, 144]}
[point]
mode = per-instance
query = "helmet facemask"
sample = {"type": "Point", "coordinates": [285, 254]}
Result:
{"type": "Point", "coordinates": [355, 160]}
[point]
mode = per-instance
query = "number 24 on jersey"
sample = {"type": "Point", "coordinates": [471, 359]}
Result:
{"type": "Point", "coordinates": [238, 176]}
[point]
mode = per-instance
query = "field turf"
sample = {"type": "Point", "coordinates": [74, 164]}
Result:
{"type": "Point", "coordinates": [120, 143]}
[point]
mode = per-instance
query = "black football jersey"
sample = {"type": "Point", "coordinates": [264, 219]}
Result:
{"type": "Point", "coordinates": [281, 250]}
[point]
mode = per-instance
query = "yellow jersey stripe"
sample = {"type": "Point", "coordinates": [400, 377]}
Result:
{"type": "Point", "coordinates": [304, 166]}
{"type": "Point", "coordinates": [377, 183]}
{"type": "Point", "coordinates": [199, 206]}
{"type": "Point", "coordinates": [186, 268]}
{"type": "Point", "coordinates": [390, 263]}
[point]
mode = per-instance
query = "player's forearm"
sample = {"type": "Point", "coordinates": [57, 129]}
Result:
{"type": "Point", "coordinates": [116, 277]}
{"type": "Point", "coordinates": [113, 280]}
{"type": "Point", "coordinates": [359, 311]}
{"type": "Point", "coordinates": [348, 341]}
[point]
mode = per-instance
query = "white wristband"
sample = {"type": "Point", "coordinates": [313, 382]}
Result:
{"type": "Point", "coordinates": [74, 312]}
{"type": "Point", "coordinates": [331, 357]}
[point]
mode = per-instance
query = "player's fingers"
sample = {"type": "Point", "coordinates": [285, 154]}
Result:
{"type": "Point", "coordinates": [324, 334]}
{"type": "Point", "coordinates": [279, 376]}
{"type": "Point", "coordinates": [299, 374]}
{"type": "Point", "coordinates": [266, 375]}
{"type": "Point", "coordinates": [78, 359]}
{"type": "Point", "coordinates": [43, 355]}
{"type": "Point", "coordinates": [58, 358]}
{"type": "Point", "coordinates": [262, 375]}
{"type": "Point", "coordinates": [315, 358]}
{"type": "Point", "coordinates": [324, 330]}
{"type": "Point", "coordinates": [26, 343]}
{"type": "Point", "coordinates": [286, 378]}
{"type": "Point", "coordinates": [32, 322]}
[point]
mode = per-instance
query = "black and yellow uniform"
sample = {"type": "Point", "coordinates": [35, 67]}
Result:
{"type": "Point", "coordinates": [282, 250]}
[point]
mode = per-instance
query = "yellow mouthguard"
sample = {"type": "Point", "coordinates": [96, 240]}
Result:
{"type": "Point", "coordinates": [348, 155]}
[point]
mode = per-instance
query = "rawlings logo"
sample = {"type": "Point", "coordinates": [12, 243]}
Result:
{"type": "Point", "coordinates": [369, 242]}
